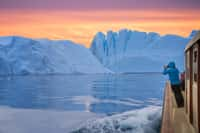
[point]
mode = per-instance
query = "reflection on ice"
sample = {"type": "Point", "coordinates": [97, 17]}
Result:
{"type": "Point", "coordinates": [105, 94]}
{"type": "Point", "coordinates": [88, 101]}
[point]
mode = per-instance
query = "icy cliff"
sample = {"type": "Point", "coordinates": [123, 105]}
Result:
{"type": "Point", "coordinates": [19, 55]}
{"type": "Point", "coordinates": [134, 51]}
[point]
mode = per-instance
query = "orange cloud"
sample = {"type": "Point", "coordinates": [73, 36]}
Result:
{"type": "Point", "coordinates": [81, 26]}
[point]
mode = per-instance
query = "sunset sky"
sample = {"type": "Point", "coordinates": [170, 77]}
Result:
{"type": "Point", "coordinates": [79, 20]}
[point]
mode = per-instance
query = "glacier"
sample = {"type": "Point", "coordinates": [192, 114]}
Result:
{"type": "Point", "coordinates": [134, 51]}
{"type": "Point", "coordinates": [22, 56]}
{"type": "Point", "coordinates": [119, 52]}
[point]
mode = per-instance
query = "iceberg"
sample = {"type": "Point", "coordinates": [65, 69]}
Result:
{"type": "Point", "coordinates": [134, 51]}
{"type": "Point", "coordinates": [22, 56]}
{"type": "Point", "coordinates": [121, 52]}
{"type": "Point", "coordinates": [193, 33]}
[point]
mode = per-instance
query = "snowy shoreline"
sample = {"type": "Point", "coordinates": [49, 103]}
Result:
{"type": "Point", "coordinates": [64, 74]}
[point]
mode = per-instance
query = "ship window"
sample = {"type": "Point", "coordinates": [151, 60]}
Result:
{"type": "Point", "coordinates": [195, 56]}
{"type": "Point", "coordinates": [188, 65]}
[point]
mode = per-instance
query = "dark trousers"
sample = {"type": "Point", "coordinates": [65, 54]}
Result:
{"type": "Point", "coordinates": [178, 95]}
{"type": "Point", "coordinates": [183, 85]}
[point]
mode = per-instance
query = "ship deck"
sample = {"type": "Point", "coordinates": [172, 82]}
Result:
{"type": "Point", "coordinates": [174, 119]}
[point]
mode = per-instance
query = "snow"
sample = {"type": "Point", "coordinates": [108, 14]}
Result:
{"type": "Point", "coordinates": [41, 121]}
{"type": "Point", "coordinates": [146, 120]}
{"type": "Point", "coordinates": [19, 55]}
{"type": "Point", "coordinates": [134, 51]}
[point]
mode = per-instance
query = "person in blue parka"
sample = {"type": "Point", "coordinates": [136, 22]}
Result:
{"type": "Point", "coordinates": [175, 82]}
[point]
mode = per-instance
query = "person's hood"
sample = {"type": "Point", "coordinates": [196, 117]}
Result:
{"type": "Point", "coordinates": [171, 65]}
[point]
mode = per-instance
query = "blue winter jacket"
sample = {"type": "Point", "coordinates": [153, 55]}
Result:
{"type": "Point", "coordinates": [173, 73]}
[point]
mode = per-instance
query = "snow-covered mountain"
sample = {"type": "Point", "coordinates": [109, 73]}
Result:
{"type": "Point", "coordinates": [134, 51]}
{"type": "Point", "coordinates": [19, 55]}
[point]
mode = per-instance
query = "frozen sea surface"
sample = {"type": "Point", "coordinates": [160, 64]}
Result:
{"type": "Point", "coordinates": [81, 103]}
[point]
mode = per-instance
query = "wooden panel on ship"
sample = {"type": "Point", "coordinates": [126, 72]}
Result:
{"type": "Point", "coordinates": [195, 87]}
{"type": "Point", "coordinates": [167, 126]}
